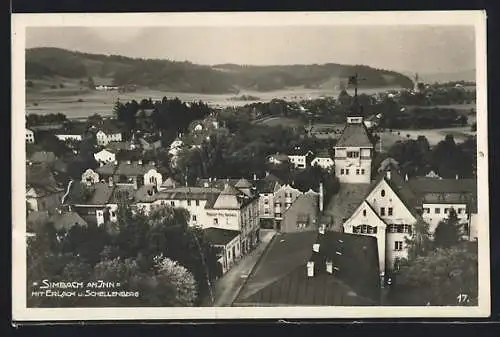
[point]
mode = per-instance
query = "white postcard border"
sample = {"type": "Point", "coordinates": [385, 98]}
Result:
{"type": "Point", "coordinates": [19, 23]}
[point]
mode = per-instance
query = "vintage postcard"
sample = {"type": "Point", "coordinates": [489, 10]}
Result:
{"type": "Point", "coordinates": [183, 166]}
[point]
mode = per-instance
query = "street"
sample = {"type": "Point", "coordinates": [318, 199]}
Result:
{"type": "Point", "coordinates": [229, 285]}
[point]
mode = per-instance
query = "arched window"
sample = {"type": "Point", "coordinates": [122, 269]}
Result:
{"type": "Point", "coordinates": [364, 212]}
{"type": "Point", "coordinates": [382, 193]}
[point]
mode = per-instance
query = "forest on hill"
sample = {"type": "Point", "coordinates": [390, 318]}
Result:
{"type": "Point", "coordinates": [188, 77]}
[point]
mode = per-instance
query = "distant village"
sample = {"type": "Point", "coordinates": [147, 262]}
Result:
{"type": "Point", "coordinates": [359, 235]}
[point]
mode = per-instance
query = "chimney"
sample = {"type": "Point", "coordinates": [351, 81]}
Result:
{"type": "Point", "coordinates": [135, 184]}
{"type": "Point", "coordinates": [110, 182]}
{"type": "Point", "coordinates": [321, 197]}
{"type": "Point", "coordinates": [267, 173]}
{"type": "Point", "coordinates": [388, 174]}
{"type": "Point", "coordinates": [406, 177]}
{"type": "Point", "coordinates": [329, 267]}
{"type": "Point", "coordinates": [310, 269]}
{"type": "Point", "coordinates": [129, 162]}
{"type": "Point", "coordinates": [140, 161]}
{"type": "Point", "coordinates": [456, 177]}
{"type": "Point", "coordinates": [254, 177]}
{"type": "Point", "coordinates": [116, 162]}
{"type": "Point", "coordinates": [316, 247]}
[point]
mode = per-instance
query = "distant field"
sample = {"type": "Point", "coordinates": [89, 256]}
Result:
{"type": "Point", "coordinates": [434, 136]}
{"type": "Point", "coordinates": [281, 121]}
{"type": "Point", "coordinates": [76, 100]}
{"type": "Point", "coordinates": [464, 107]}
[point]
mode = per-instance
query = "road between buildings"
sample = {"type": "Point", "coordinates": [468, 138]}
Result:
{"type": "Point", "coordinates": [228, 286]}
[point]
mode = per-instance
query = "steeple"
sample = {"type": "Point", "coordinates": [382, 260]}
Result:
{"type": "Point", "coordinates": [355, 114]}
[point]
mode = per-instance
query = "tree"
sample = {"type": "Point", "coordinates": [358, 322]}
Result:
{"type": "Point", "coordinates": [440, 278]}
{"type": "Point", "coordinates": [420, 243]}
{"type": "Point", "coordinates": [448, 232]}
{"type": "Point", "coordinates": [171, 284]}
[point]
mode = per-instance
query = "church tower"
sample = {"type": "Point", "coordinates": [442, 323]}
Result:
{"type": "Point", "coordinates": [354, 148]}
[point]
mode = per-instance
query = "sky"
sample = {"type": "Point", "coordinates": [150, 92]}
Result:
{"type": "Point", "coordinates": [424, 49]}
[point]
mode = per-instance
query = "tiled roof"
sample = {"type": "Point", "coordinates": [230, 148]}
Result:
{"type": "Point", "coordinates": [97, 194]}
{"type": "Point", "coordinates": [346, 201]}
{"type": "Point", "coordinates": [354, 135]}
{"type": "Point", "coordinates": [304, 201]}
{"type": "Point", "coordinates": [122, 194]}
{"type": "Point", "coordinates": [169, 183]}
{"type": "Point", "coordinates": [433, 185]}
{"type": "Point", "coordinates": [116, 146]}
{"type": "Point", "coordinates": [67, 220]}
{"type": "Point", "coordinates": [107, 169]}
{"type": "Point", "coordinates": [219, 236]}
{"type": "Point", "coordinates": [243, 183]}
{"type": "Point", "coordinates": [134, 168]}
{"type": "Point", "coordinates": [280, 278]}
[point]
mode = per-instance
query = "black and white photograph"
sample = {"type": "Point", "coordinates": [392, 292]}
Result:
{"type": "Point", "coordinates": [250, 165]}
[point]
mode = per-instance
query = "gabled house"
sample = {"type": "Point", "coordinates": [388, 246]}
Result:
{"type": "Point", "coordinates": [323, 160]}
{"type": "Point", "coordinates": [302, 214]}
{"type": "Point", "coordinates": [394, 205]}
{"type": "Point", "coordinates": [134, 173]}
{"type": "Point", "coordinates": [300, 157]}
{"type": "Point", "coordinates": [105, 156]}
{"type": "Point", "coordinates": [108, 133]}
{"type": "Point", "coordinates": [227, 245]}
{"type": "Point", "coordinates": [283, 199]}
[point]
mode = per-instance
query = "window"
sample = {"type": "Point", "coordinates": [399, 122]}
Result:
{"type": "Point", "coordinates": [357, 172]}
{"type": "Point", "coordinates": [399, 228]}
{"type": "Point", "coordinates": [194, 218]}
{"type": "Point", "coordinates": [266, 211]}
{"type": "Point", "coordinates": [216, 221]}
{"type": "Point", "coordinates": [427, 210]}
{"type": "Point", "coordinates": [287, 205]}
{"type": "Point", "coordinates": [364, 229]}
{"type": "Point", "coordinates": [189, 202]}
{"type": "Point", "coordinates": [398, 245]}
{"type": "Point", "coordinates": [364, 212]}
{"type": "Point", "coordinates": [446, 211]}
{"type": "Point", "coordinates": [197, 203]}
{"type": "Point", "coordinates": [460, 210]}
{"type": "Point", "coordinates": [362, 171]}
{"type": "Point", "coordinates": [352, 154]}
{"type": "Point", "coordinates": [277, 215]}
{"type": "Point", "coordinates": [382, 193]}
{"type": "Point", "coordinates": [382, 211]}
{"type": "Point", "coordinates": [437, 210]}
{"type": "Point", "coordinates": [341, 171]}
{"type": "Point", "coordinates": [266, 202]}
{"type": "Point", "coordinates": [389, 211]}
{"type": "Point", "coordinates": [172, 203]}
{"type": "Point", "coordinates": [347, 171]}
{"type": "Point", "coordinates": [229, 254]}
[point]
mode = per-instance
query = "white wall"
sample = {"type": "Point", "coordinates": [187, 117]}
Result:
{"type": "Point", "coordinates": [30, 136]}
{"type": "Point", "coordinates": [326, 163]}
{"type": "Point", "coordinates": [105, 156]}
{"type": "Point", "coordinates": [364, 215]}
{"type": "Point", "coordinates": [153, 177]}
{"type": "Point", "coordinates": [69, 137]}
{"type": "Point", "coordinates": [433, 218]}
{"type": "Point", "coordinates": [298, 161]}
{"type": "Point", "coordinates": [90, 177]}
{"type": "Point", "coordinates": [353, 170]}
{"type": "Point", "coordinates": [400, 215]}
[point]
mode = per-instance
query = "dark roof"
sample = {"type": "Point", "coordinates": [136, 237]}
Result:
{"type": "Point", "coordinates": [36, 219]}
{"type": "Point", "coordinates": [109, 127]}
{"type": "Point", "coordinates": [282, 278]}
{"type": "Point", "coordinates": [243, 183]}
{"type": "Point", "coordinates": [67, 220]}
{"type": "Point", "coordinates": [298, 151]}
{"type": "Point", "coordinates": [358, 265]}
{"type": "Point", "coordinates": [178, 193]}
{"type": "Point", "coordinates": [41, 178]}
{"type": "Point", "coordinates": [267, 184]}
{"type": "Point", "coordinates": [346, 201]}
{"type": "Point", "coordinates": [435, 185]}
{"type": "Point", "coordinates": [97, 194]}
{"type": "Point", "coordinates": [219, 236]}
{"type": "Point", "coordinates": [323, 153]}
{"type": "Point", "coordinates": [304, 202]}
{"type": "Point", "coordinates": [354, 135]}
{"type": "Point", "coordinates": [107, 169]}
